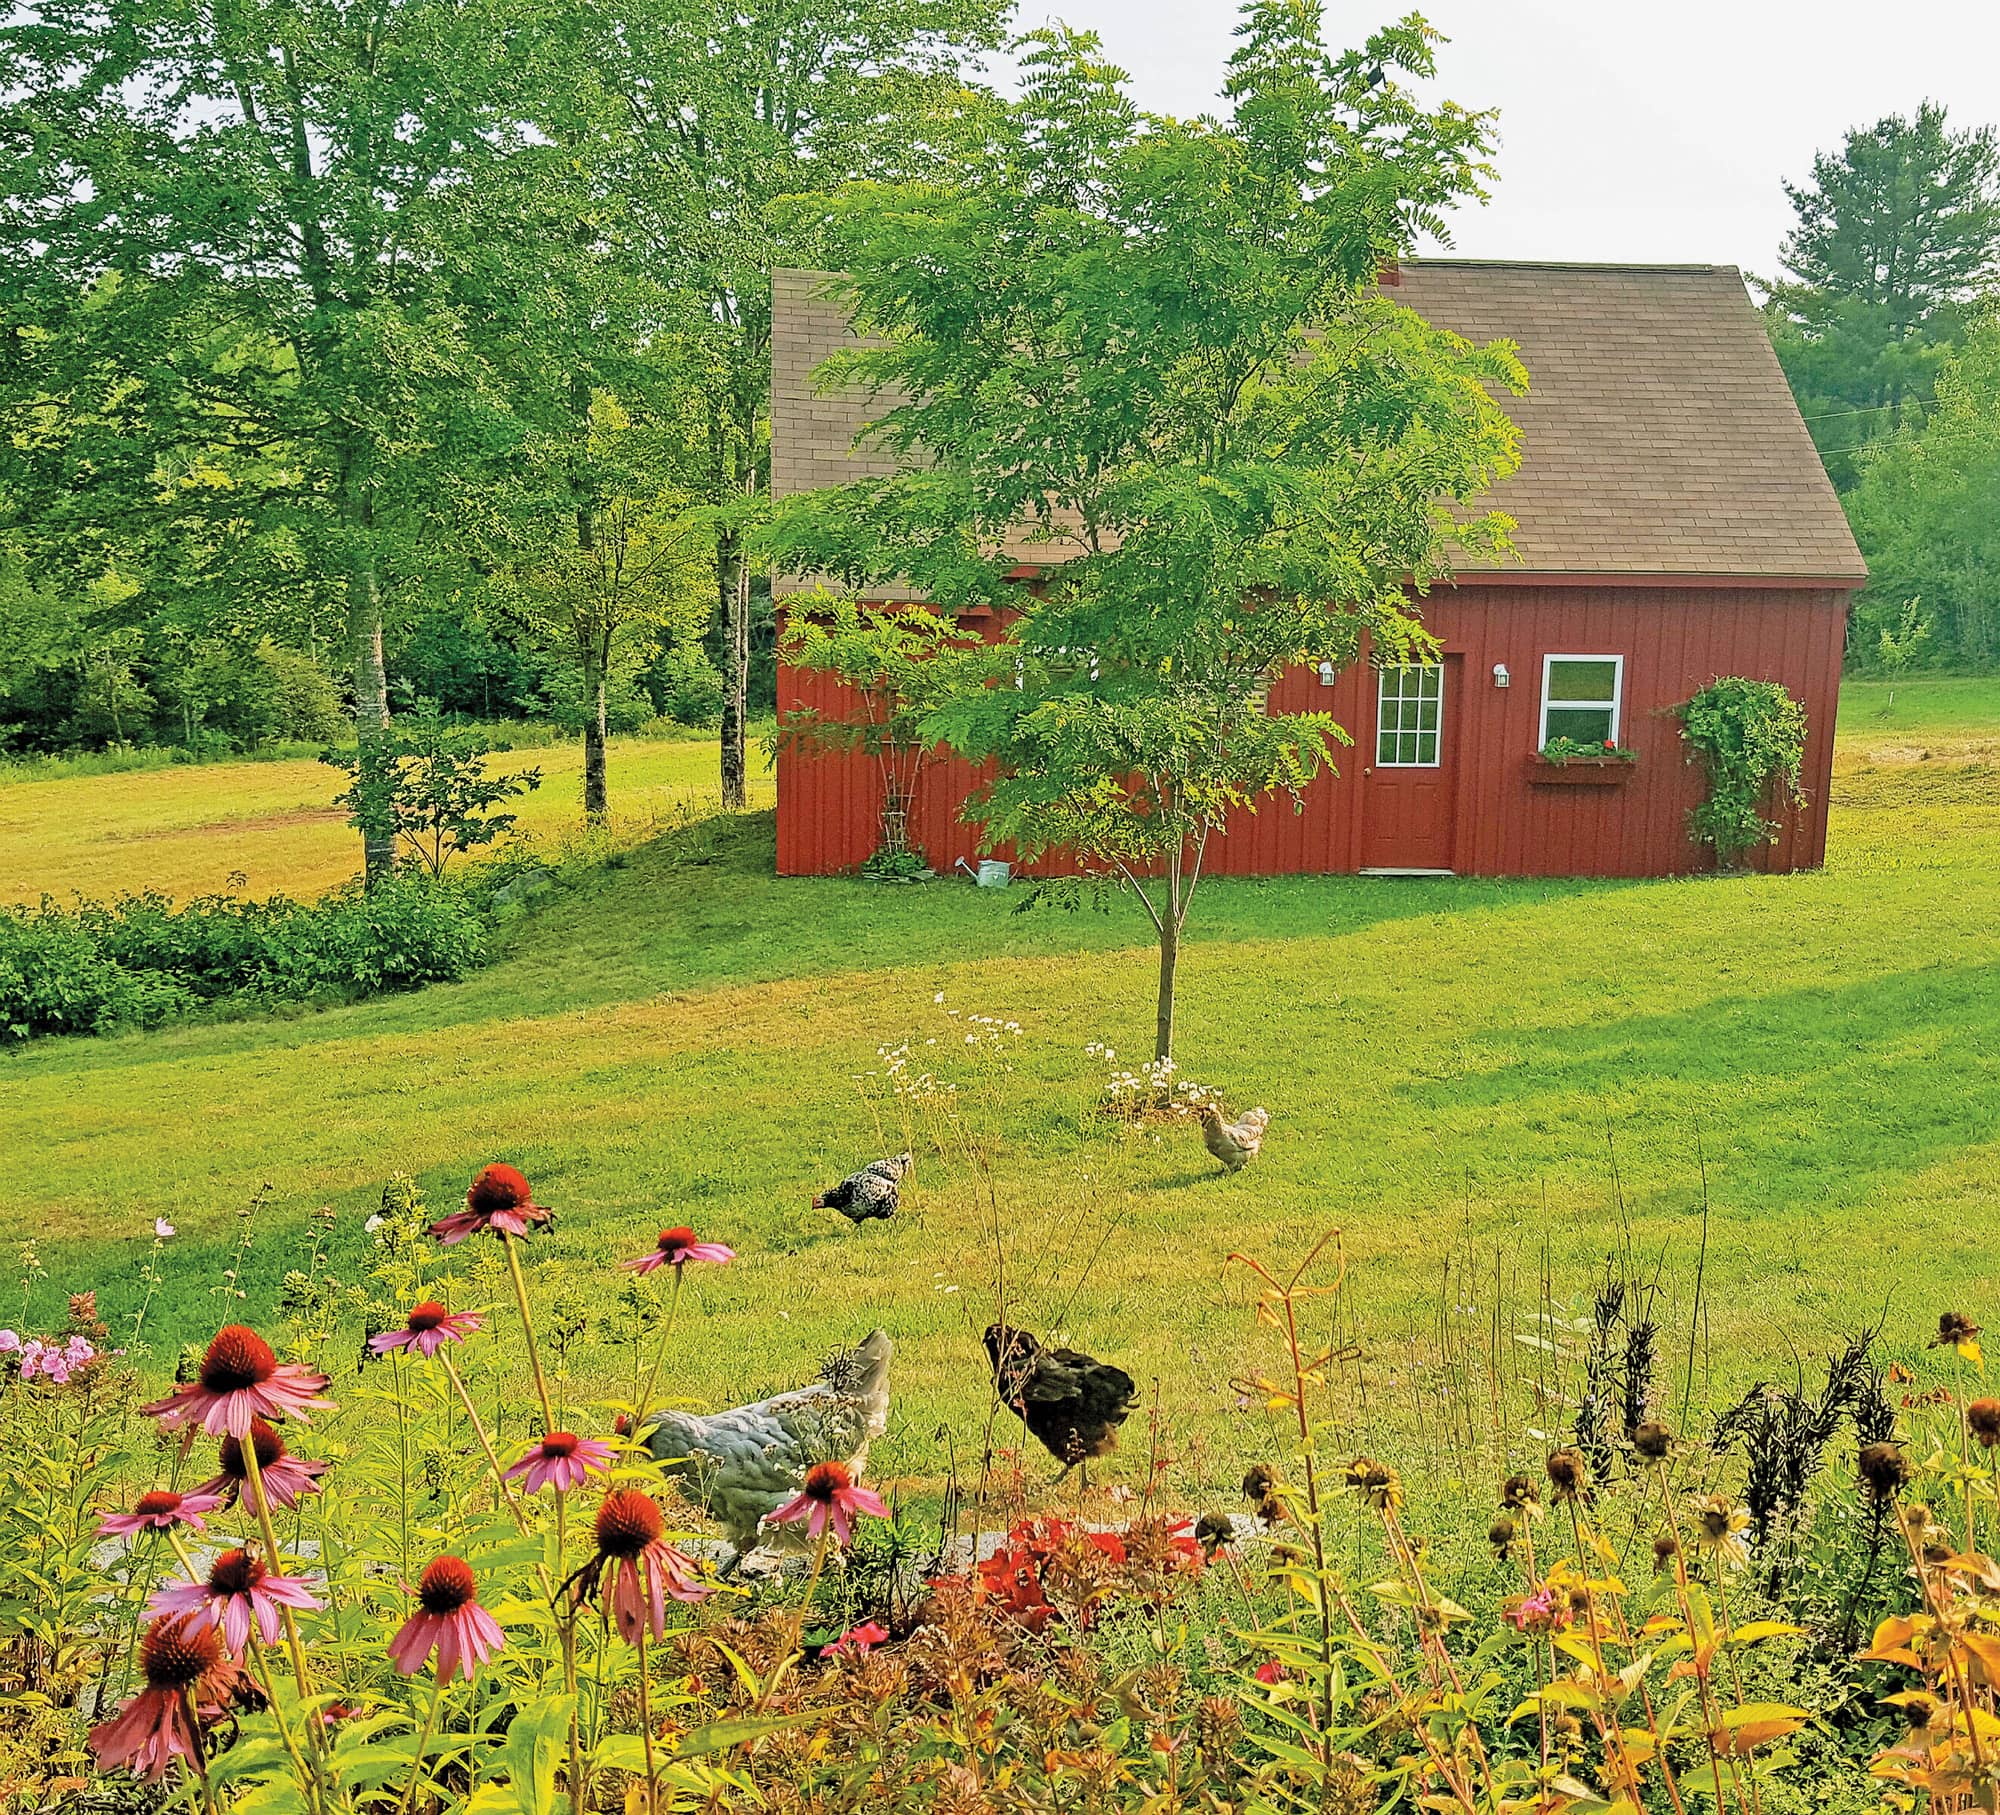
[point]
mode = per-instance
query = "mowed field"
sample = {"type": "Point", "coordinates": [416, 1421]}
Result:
{"type": "Point", "coordinates": [1483, 1085]}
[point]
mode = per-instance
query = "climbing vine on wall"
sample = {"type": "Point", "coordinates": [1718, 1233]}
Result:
{"type": "Point", "coordinates": [1750, 738]}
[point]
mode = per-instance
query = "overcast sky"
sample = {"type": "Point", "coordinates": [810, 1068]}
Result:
{"type": "Point", "coordinates": [1640, 130]}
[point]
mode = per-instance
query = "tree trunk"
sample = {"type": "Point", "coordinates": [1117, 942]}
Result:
{"type": "Point", "coordinates": [732, 579]}
{"type": "Point", "coordinates": [1170, 958]}
{"type": "Point", "coordinates": [371, 705]}
{"type": "Point", "coordinates": [596, 798]}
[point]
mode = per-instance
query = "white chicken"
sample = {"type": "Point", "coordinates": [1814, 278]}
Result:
{"type": "Point", "coordinates": [1235, 1143]}
{"type": "Point", "coordinates": [743, 1464]}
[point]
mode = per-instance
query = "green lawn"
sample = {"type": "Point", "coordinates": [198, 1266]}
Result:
{"type": "Point", "coordinates": [1474, 1080]}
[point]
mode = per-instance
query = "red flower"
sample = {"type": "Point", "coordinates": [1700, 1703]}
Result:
{"type": "Point", "coordinates": [287, 1479]}
{"type": "Point", "coordinates": [562, 1460]}
{"type": "Point", "coordinates": [450, 1621]}
{"type": "Point", "coordinates": [1270, 1671]}
{"type": "Point", "coordinates": [157, 1725]}
{"type": "Point", "coordinates": [645, 1568]}
{"type": "Point", "coordinates": [498, 1199]}
{"type": "Point", "coordinates": [239, 1589]}
{"type": "Point", "coordinates": [430, 1327]}
{"type": "Point", "coordinates": [858, 1641]}
{"type": "Point", "coordinates": [240, 1379]}
{"type": "Point", "coordinates": [676, 1248]}
{"type": "Point", "coordinates": [160, 1510]}
{"type": "Point", "coordinates": [829, 1495]}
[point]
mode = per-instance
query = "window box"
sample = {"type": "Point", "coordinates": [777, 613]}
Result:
{"type": "Point", "coordinates": [1580, 771]}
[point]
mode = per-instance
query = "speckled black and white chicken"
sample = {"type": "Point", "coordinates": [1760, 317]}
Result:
{"type": "Point", "coordinates": [873, 1192]}
{"type": "Point", "coordinates": [744, 1463]}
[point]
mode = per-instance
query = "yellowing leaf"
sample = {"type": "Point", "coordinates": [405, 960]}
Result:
{"type": "Point", "coordinates": [1756, 1724]}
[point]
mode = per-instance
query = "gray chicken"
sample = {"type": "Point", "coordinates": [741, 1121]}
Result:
{"type": "Point", "coordinates": [744, 1463]}
{"type": "Point", "coordinates": [1235, 1143]}
{"type": "Point", "coordinates": [872, 1192]}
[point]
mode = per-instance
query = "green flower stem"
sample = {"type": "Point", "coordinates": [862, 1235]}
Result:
{"type": "Point", "coordinates": [423, 1739]}
{"type": "Point", "coordinates": [528, 1326]}
{"type": "Point", "coordinates": [309, 1781]}
{"type": "Point", "coordinates": [644, 1402]}
{"type": "Point", "coordinates": [260, 1504]}
{"type": "Point", "coordinates": [500, 1481]}
{"type": "Point", "coordinates": [646, 1721]}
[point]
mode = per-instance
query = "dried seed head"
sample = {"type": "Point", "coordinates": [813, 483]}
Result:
{"type": "Point", "coordinates": [1376, 1482]}
{"type": "Point", "coordinates": [1983, 1417]}
{"type": "Point", "coordinates": [1885, 1470]}
{"type": "Point", "coordinates": [1518, 1492]}
{"type": "Point", "coordinates": [1954, 1327]}
{"type": "Point", "coordinates": [1212, 1532]}
{"type": "Point", "coordinates": [1501, 1534]}
{"type": "Point", "coordinates": [1652, 1439]}
{"type": "Point", "coordinates": [1666, 1547]}
{"type": "Point", "coordinates": [1569, 1474]}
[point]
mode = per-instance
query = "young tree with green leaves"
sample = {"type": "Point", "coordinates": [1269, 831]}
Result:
{"type": "Point", "coordinates": [1897, 231]}
{"type": "Point", "coordinates": [1150, 355]}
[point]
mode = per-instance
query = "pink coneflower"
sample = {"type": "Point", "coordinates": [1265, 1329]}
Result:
{"type": "Point", "coordinates": [157, 1725]}
{"type": "Point", "coordinates": [644, 1567]}
{"type": "Point", "coordinates": [450, 1621]}
{"type": "Point", "coordinates": [561, 1460]}
{"type": "Point", "coordinates": [287, 1479]}
{"type": "Point", "coordinates": [160, 1510]}
{"type": "Point", "coordinates": [240, 1379]}
{"type": "Point", "coordinates": [499, 1199]}
{"type": "Point", "coordinates": [239, 1588]}
{"type": "Point", "coordinates": [830, 1494]}
{"type": "Point", "coordinates": [858, 1641]}
{"type": "Point", "coordinates": [430, 1327]}
{"type": "Point", "coordinates": [676, 1248]}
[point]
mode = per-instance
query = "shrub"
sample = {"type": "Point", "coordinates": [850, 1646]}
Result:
{"type": "Point", "coordinates": [1750, 738]}
{"type": "Point", "coordinates": [141, 959]}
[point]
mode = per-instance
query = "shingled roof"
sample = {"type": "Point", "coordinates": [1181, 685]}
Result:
{"type": "Point", "coordinates": [1659, 436]}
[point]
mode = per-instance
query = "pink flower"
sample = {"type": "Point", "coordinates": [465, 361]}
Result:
{"type": "Point", "coordinates": [676, 1248]}
{"type": "Point", "coordinates": [562, 1460]}
{"type": "Point", "coordinates": [498, 1199]}
{"type": "Point", "coordinates": [9, 1342]}
{"type": "Point", "coordinates": [830, 1494]}
{"type": "Point", "coordinates": [239, 1588]}
{"type": "Point", "coordinates": [645, 1568]}
{"type": "Point", "coordinates": [160, 1510]}
{"type": "Point", "coordinates": [858, 1641]}
{"type": "Point", "coordinates": [450, 1621]}
{"type": "Point", "coordinates": [430, 1327]}
{"type": "Point", "coordinates": [286, 1478]}
{"type": "Point", "coordinates": [240, 1379]}
{"type": "Point", "coordinates": [157, 1725]}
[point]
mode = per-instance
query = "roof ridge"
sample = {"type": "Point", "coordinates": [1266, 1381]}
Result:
{"type": "Point", "coordinates": [1560, 264]}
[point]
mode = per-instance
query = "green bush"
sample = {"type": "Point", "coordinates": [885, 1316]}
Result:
{"type": "Point", "coordinates": [1750, 737]}
{"type": "Point", "coordinates": [143, 959]}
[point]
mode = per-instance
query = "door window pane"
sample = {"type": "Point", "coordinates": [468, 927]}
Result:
{"type": "Point", "coordinates": [1409, 720]}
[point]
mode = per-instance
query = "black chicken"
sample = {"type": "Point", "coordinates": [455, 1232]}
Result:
{"type": "Point", "coordinates": [1071, 1403]}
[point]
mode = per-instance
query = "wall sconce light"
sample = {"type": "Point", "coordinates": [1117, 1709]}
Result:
{"type": "Point", "coordinates": [1327, 674]}
{"type": "Point", "coordinates": [1501, 678]}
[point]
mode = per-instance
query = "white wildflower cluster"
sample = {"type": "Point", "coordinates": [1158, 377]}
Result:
{"type": "Point", "coordinates": [1156, 1088]}
{"type": "Point", "coordinates": [900, 1068]}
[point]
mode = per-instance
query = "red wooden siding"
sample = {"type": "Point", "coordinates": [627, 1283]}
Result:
{"type": "Point", "coordinates": [1674, 639]}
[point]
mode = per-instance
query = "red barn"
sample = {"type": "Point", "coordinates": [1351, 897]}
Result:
{"type": "Point", "coordinates": [1675, 524]}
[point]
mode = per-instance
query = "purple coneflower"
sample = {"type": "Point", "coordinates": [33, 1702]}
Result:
{"type": "Point", "coordinates": [499, 1199]}
{"type": "Point", "coordinates": [160, 1510]}
{"type": "Point", "coordinates": [239, 1588]}
{"type": "Point", "coordinates": [450, 1621]}
{"type": "Point", "coordinates": [645, 1568]}
{"type": "Point", "coordinates": [830, 1495]}
{"type": "Point", "coordinates": [240, 1379]}
{"type": "Point", "coordinates": [157, 1725]}
{"type": "Point", "coordinates": [676, 1248]}
{"type": "Point", "coordinates": [561, 1460]}
{"type": "Point", "coordinates": [287, 1479]}
{"type": "Point", "coordinates": [430, 1327]}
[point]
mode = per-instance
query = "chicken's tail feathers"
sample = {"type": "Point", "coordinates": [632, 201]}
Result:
{"type": "Point", "coordinates": [1259, 1119]}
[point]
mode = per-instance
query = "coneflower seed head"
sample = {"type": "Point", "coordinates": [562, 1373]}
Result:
{"type": "Point", "coordinates": [447, 1585]}
{"type": "Point", "coordinates": [627, 1522]}
{"type": "Point", "coordinates": [176, 1653]}
{"type": "Point", "coordinates": [237, 1358]}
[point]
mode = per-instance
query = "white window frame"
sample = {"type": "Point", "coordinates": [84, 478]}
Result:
{"type": "Point", "coordinates": [1617, 692]}
{"type": "Point", "coordinates": [1436, 761]}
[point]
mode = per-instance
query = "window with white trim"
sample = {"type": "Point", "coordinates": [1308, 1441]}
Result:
{"type": "Point", "coordinates": [1581, 696]}
{"type": "Point", "coordinates": [1409, 714]}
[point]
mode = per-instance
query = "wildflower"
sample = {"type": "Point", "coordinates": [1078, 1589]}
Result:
{"type": "Point", "coordinates": [1260, 1487]}
{"type": "Point", "coordinates": [676, 1248]}
{"type": "Point", "coordinates": [1885, 1470]}
{"type": "Point", "coordinates": [1568, 1474]}
{"type": "Point", "coordinates": [1545, 1609]}
{"type": "Point", "coordinates": [450, 1621]}
{"type": "Point", "coordinates": [157, 1725]}
{"type": "Point", "coordinates": [10, 1342]}
{"type": "Point", "coordinates": [163, 1229]}
{"type": "Point", "coordinates": [645, 1568]}
{"type": "Point", "coordinates": [1957, 1331]}
{"type": "Point", "coordinates": [1213, 1532]}
{"type": "Point", "coordinates": [1982, 1417]}
{"type": "Point", "coordinates": [562, 1460]}
{"type": "Point", "coordinates": [240, 1379]}
{"type": "Point", "coordinates": [1718, 1529]}
{"type": "Point", "coordinates": [287, 1479]}
{"type": "Point", "coordinates": [830, 1494]}
{"type": "Point", "coordinates": [1377, 1483]}
{"type": "Point", "coordinates": [1270, 1671]}
{"type": "Point", "coordinates": [1652, 1440]}
{"type": "Point", "coordinates": [1666, 1547]}
{"type": "Point", "coordinates": [498, 1199]}
{"type": "Point", "coordinates": [160, 1510]}
{"type": "Point", "coordinates": [1518, 1492]}
{"type": "Point", "coordinates": [429, 1328]}
{"type": "Point", "coordinates": [858, 1641]}
{"type": "Point", "coordinates": [1501, 1535]}
{"type": "Point", "coordinates": [238, 1589]}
